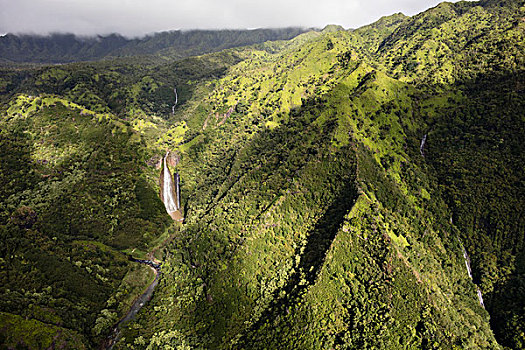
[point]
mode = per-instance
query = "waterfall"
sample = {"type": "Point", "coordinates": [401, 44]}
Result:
{"type": "Point", "coordinates": [480, 297]}
{"type": "Point", "coordinates": [467, 261]}
{"type": "Point", "coordinates": [469, 271]}
{"type": "Point", "coordinates": [422, 146]}
{"type": "Point", "coordinates": [168, 191]}
{"type": "Point", "coordinates": [176, 101]}
{"type": "Point", "coordinates": [177, 190]}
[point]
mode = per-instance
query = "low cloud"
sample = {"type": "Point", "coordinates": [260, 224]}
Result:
{"type": "Point", "coordinates": [139, 17]}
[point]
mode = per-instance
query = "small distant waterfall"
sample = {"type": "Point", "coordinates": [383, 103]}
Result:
{"type": "Point", "coordinates": [469, 271]}
{"type": "Point", "coordinates": [480, 297]}
{"type": "Point", "coordinates": [176, 101]}
{"type": "Point", "coordinates": [467, 261]}
{"type": "Point", "coordinates": [422, 146]}
{"type": "Point", "coordinates": [169, 193]}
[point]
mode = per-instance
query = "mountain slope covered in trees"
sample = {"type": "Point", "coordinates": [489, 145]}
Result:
{"type": "Point", "coordinates": [63, 48]}
{"type": "Point", "coordinates": [331, 186]}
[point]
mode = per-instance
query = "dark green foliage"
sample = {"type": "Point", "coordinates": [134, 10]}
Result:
{"type": "Point", "coordinates": [120, 86]}
{"type": "Point", "coordinates": [64, 48]}
{"type": "Point", "coordinates": [37, 335]}
{"type": "Point", "coordinates": [69, 180]}
{"type": "Point", "coordinates": [477, 152]}
{"type": "Point", "coordinates": [58, 48]}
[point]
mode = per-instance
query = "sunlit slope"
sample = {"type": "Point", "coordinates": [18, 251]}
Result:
{"type": "Point", "coordinates": [265, 276]}
{"type": "Point", "coordinates": [395, 247]}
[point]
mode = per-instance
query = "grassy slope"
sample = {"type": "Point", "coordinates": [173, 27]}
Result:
{"type": "Point", "coordinates": [474, 122]}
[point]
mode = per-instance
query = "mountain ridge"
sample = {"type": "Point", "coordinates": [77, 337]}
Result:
{"type": "Point", "coordinates": [66, 48]}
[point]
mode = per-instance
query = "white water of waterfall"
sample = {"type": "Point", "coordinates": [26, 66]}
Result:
{"type": "Point", "coordinates": [176, 101]}
{"type": "Point", "coordinates": [469, 271]}
{"type": "Point", "coordinates": [480, 297]}
{"type": "Point", "coordinates": [467, 262]}
{"type": "Point", "coordinates": [422, 146]}
{"type": "Point", "coordinates": [167, 190]}
{"type": "Point", "coordinates": [177, 193]}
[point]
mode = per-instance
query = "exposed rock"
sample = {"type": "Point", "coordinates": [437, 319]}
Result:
{"type": "Point", "coordinates": [173, 159]}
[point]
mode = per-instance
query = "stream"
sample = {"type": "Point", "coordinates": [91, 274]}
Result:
{"type": "Point", "coordinates": [467, 261]}
{"type": "Point", "coordinates": [114, 337]}
{"type": "Point", "coordinates": [170, 195]}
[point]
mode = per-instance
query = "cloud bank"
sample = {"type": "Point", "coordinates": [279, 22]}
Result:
{"type": "Point", "coordinates": [139, 17]}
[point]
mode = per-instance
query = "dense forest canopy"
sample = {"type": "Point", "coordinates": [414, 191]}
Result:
{"type": "Point", "coordinates": [65, 48]}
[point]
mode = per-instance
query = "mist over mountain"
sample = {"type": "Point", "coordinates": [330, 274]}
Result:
{"type": "Point", "coordinates": [135, 18]}
{"type": "Point", "coordinates": [267, 189]}
{"type": "Point", "coordinates": [64, 48]}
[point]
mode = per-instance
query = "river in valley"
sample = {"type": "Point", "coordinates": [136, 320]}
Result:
{"type": "Point", "coordinates": [114, 337]}
{"type": "Point", "coordinates": [170, 196]}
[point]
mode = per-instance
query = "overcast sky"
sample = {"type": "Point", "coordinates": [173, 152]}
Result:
{"type": "Point", "coordinates": [138, 17]}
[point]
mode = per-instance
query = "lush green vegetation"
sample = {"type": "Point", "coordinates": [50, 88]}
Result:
{"type": "Point", "coordinates": [314, 217]}
{"type": "Point", "coordinates": [74, 192]}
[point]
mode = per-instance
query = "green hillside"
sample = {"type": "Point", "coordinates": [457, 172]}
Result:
{"type": "Point", "coordinates": [329, 186]}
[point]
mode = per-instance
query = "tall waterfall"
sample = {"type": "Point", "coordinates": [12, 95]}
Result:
{"type": "Point", "coordinates": [169, 193]}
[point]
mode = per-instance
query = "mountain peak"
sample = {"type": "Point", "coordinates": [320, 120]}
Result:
{"type": "Point", "coordinates": [330, 28]}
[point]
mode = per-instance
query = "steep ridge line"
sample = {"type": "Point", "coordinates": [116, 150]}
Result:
{"type": "Point", "coordinates": [311, 259]}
